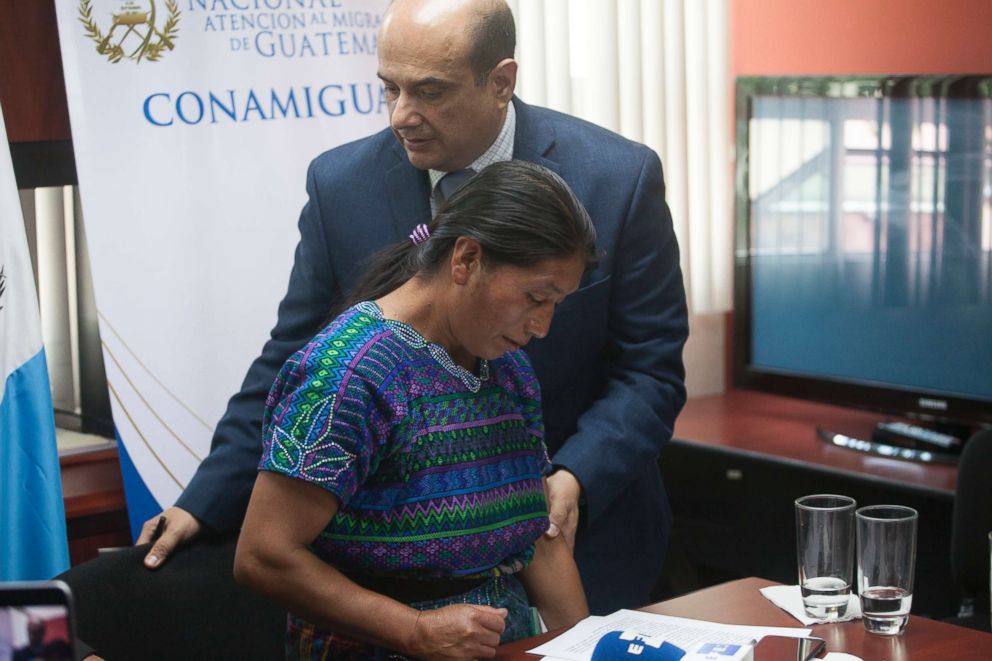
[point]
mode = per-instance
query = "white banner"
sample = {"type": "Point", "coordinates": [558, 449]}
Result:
{"type": "Point", "coordinates": [193, 122]}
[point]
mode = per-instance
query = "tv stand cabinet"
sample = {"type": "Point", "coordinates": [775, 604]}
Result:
{"type": "Point", "coordinates": [740, 459]}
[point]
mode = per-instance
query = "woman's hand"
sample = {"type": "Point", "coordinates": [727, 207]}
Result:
{"type": "Point", "coordinates": [274, 558]}
{"type": "Point", "coordinates": [461, 631]}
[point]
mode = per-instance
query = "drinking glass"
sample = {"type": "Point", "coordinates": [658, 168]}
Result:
{"type": "Point", "coordinates": [886, 563]}
{"type": "Point", "coordinates": [825, 553]}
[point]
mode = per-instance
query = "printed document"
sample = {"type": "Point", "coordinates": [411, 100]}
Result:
{"type": "Point", "coordinates": [578, 643]}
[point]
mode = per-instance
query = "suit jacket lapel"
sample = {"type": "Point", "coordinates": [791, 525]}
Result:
{"type": "Point", "coordinates": [534, 138]}
{"type": "Point", "coordinates": [409, 194]}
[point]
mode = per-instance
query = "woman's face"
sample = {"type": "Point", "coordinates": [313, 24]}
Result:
{"type": "Point", "coordinates": [503, 307]}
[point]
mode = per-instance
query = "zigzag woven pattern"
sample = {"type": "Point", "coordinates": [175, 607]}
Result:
{"type": "Point", "coordinates": [433, 479]}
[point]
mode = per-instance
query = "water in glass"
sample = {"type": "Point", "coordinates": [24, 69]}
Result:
{"type": "Point", "coordinates": [825, 597]}
{"type": "Point", "coordinates": [885, 609]}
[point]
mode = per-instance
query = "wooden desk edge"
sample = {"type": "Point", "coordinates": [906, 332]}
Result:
{"type": "Point", "coordinates": [518, 649]}
{"type": "Point", "coordinates": [743, 596]}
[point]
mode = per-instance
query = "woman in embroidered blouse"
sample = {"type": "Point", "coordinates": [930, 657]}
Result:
{"type": "Point", "coordinates": [399, 508]}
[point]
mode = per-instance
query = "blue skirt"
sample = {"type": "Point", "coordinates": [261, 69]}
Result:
{"type": "Point", "coordinates": [307, 642]}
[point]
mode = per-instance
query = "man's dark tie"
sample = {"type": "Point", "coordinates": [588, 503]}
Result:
{"type": "Point", "coordinates": [451, 182]}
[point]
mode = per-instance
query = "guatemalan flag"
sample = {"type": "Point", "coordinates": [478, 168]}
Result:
{"type": "Point", "coordinates": [32, 519]}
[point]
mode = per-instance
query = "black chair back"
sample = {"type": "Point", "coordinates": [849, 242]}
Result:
{"type": "Point", "coordinates": [972, 519]}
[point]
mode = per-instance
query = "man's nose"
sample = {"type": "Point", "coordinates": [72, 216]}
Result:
{"type": "Point", "coordinates": [404, 113]}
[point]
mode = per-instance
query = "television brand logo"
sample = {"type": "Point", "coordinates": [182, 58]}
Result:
{"type": "Point", "coordinates": [932, 404]}
{"type": "Point", "coordinates": [135, 29]}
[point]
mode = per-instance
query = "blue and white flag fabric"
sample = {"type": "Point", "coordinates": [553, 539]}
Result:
{"type": "Point", "coordinates": [33, 542]}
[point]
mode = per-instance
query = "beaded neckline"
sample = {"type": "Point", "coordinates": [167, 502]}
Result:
{"type": "Point", "coordinates": [414, 339]}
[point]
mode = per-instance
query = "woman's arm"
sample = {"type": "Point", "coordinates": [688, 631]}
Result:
{"type": "Point", "coordinates": [284, 515]}
{"type": "Point", "coordinates": [553, 585]}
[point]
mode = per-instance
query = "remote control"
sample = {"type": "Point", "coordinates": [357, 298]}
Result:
{"type": "Point", "coordinates": [886, 450]}
{"type": "Point", "coordinates": [915, 436]}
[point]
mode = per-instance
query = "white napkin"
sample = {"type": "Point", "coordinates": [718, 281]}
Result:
{"type": "Point", "coordinates": [790, 599]}
{"type": "Point", "coordinates": [840, 656]}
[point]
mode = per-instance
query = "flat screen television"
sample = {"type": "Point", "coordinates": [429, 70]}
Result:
{"type": "Point", "coordinates": [863, 256]}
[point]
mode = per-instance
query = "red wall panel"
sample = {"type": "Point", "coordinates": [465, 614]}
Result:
{"type": "Point", "coordinates": [783, 37]}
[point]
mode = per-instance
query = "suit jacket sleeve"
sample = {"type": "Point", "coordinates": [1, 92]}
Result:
{"type": "Point", "coordinates": [628, 425]}
{"type": "Point", "coordinates": [219, 491]}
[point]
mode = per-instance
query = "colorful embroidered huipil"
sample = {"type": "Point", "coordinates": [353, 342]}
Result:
{"type": "Point", "coordinates": [439, 472]}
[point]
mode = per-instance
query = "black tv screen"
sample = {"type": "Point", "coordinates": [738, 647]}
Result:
{"type": "Point", "coordinates": [863, 271]}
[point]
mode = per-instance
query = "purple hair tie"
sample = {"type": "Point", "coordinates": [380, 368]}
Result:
{"type": "Point", "coordinates": [420, 234]}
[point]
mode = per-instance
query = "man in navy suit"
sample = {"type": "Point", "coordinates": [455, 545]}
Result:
{"type": "Point", "coordinates": [611, 367]}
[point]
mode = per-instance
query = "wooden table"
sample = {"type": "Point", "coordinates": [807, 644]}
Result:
{"type": "Point", "coordinates": [739, 602]}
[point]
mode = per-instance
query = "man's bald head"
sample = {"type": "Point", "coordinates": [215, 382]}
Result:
{"type": "Point", "coordinates": [487, 24]}
{"type": "Point", "coordinates": [448, 76]}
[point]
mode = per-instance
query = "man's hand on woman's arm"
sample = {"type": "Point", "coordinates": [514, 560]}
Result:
{"type": "Point", "coordinates": [564, 493]}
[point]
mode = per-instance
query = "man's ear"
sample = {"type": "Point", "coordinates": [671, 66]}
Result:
{"type": "Point", "coordinates": [466, 260]}
{"type": "Point", "coordinates": [503, 78]}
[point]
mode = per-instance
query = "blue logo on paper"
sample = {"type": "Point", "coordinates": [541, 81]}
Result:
{"type": "Point", "coordinates": [719, 648]}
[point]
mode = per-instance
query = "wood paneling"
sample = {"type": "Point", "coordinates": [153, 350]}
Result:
{"type": "Point", "coordinates": [32, 87]}
{"type": "Point", "coordinates": [95, 510]}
